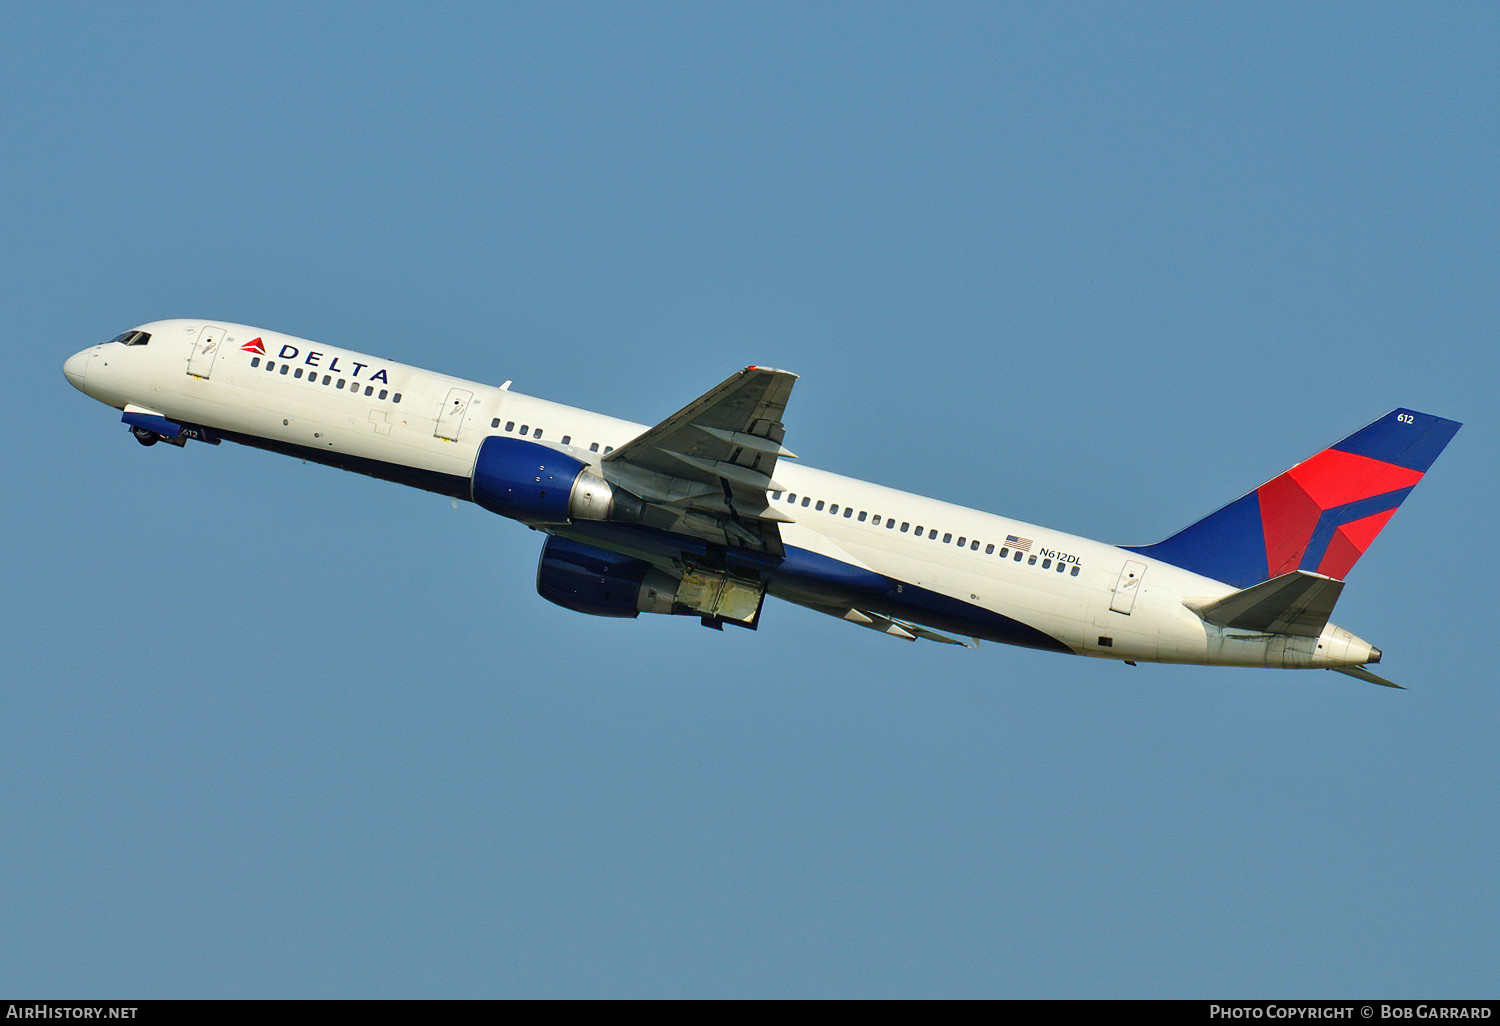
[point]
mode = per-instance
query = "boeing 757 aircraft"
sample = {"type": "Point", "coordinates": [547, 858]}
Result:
{"type": "Point", "coordinates": [705, 515]}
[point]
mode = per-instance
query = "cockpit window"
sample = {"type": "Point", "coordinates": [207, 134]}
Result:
{"type": "Point", "coordinates": [133, 338]}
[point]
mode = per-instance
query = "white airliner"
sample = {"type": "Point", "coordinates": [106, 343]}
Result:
{"type": "Point", "coordinates": [705, 515]}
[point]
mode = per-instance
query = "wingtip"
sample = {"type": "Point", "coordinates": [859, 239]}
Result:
{"type": "Point", "coordinates": [769, 370]}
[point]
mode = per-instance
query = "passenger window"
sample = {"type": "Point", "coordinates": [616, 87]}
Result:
{"type": "Point", "coordinates": [947, 538]}
{"type": "Point", "coordinates": [524, 429]}
{"type": "Point", "coordinates": [327, 378]}
{"type": "Point", "coordinates": [905, 525]}
{"type": "Point", "coordinates": [1075, 571]}
{"type": "Point", "coordinates": [567, 439]}
{"type": "Point", "coordinates": [608, 449]}
{"type": "Point", "coordinates": [340, 384]}
{"type": "Point", "coordinates": [255, 361]}
{"type": "Point", "coordinates": [298, 374]}
{"type": "Point", "coordinates": [834, 508]}
{"type": "Point", "coordinates": [806, 500]}
{"type": "Point", "coordinates": [961, 541]}
{"type": "Point", "coordinates": [270, 365]}
{"type": "Point", "coordinates": [974, 545]}
{"type": "Point", "coordinates": [395, 398]}
{"type": "Point", "coordinates": [791, 497]}
{"type": "Point", "coordinates": [988, 549]}
{"type": "Point", "coordinates": [819, 505]}
{"type": "Point", "coordinates": [383, 394]}
{"type": "Point", "coordinates": [919, 530]}
{"type": "Point", "coordinates": [537, 433]}
{"type": "Point", "coordinates": [369, 390]}
{"type": "Point", "coordinates": [1019, 554]}
{"type": "Point", "coordinates": [495, 423]}
{"type": "Point", "coordinates": [593, 447]}
{"type": "Point", "coordinates": [932, 534]}
{"type": "Point", "coordinates": [1046, 564]}
{"type": "Point", "coordinates": [284, 368]}
{"type": "Point", "coordinates": [775, 495]}
{"type": "Point", "coordinates": [861, 516]}
{"type": "Point", "coordinates": [1030, 560]}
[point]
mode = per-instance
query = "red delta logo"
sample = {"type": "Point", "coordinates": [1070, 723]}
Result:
{"type": "Point", "coordinates": [255, 346]}
{"type": "Point", "coordinates": [1323, 513]}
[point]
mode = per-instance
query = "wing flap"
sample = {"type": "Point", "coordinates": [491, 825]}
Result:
{"type": "Point", "coordinates": [903, 629]}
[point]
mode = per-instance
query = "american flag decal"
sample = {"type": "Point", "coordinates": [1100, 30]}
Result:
{"type": "Point", "coordinates": [1024, 544]}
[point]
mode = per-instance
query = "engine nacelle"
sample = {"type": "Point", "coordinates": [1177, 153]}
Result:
{"type": "Point", "coordinates": [530, 482]}
{"type": "Point", "coordinates": [589, 580]}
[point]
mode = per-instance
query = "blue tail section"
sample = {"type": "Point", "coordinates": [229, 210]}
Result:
{"type": "Point", "coordinates": [1319, 516]}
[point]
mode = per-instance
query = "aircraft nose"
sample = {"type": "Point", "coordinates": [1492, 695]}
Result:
{"type": "Point", "coordinates": [75, 367]}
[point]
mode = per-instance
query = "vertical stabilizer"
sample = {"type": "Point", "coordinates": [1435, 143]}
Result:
{"type": "Point", "coordinates": [1319, 516]}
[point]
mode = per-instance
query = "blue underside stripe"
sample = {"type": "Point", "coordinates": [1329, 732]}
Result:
{"type": "Point", "coordinates": [810, 578]}
{"type": "Point", "coordinates": [800, 575]}
{"type": "Point", "coordinates": [427, 480]}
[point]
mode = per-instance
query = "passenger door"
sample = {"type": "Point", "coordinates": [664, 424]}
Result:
{"type": "Point", "coordinates": [201, 360]}
{"type": "Point", "coordinates": [1127, 586]}
{"type": "Point", "coordinates": [451, 417]}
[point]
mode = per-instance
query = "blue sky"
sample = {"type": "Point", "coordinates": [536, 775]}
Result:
{"type": "Point", "coordinates": [271, 730]}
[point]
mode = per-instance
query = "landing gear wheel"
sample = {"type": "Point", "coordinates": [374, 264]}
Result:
{"type": "Point", "coordinates": [145, 435]}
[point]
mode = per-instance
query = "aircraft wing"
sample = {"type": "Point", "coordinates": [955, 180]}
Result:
{"type": "Point", "coordinates": [706, 470]}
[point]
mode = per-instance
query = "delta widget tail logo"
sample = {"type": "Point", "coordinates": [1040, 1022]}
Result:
{"type": "Point", "coordinates": [255, 346]}
{"type": "Point", "coordinates": [1321, 515]}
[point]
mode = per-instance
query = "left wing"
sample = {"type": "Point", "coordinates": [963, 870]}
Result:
{"type": "Point", "coordinates": [706, 470]}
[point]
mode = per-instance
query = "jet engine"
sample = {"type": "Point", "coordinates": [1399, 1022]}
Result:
{"type": "Point", "coordinates": [532, 483]}
{"type": "Point", "coordinates": [589, 580]}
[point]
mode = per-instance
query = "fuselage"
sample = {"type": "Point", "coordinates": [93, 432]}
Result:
{"type": "Point", "coordinates": [850, 544]}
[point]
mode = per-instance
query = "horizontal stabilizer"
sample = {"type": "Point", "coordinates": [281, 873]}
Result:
{"type": "Point", "coordinates": [1297, 603]}
{"type": "Point", "coordinates": [1360, 673]}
